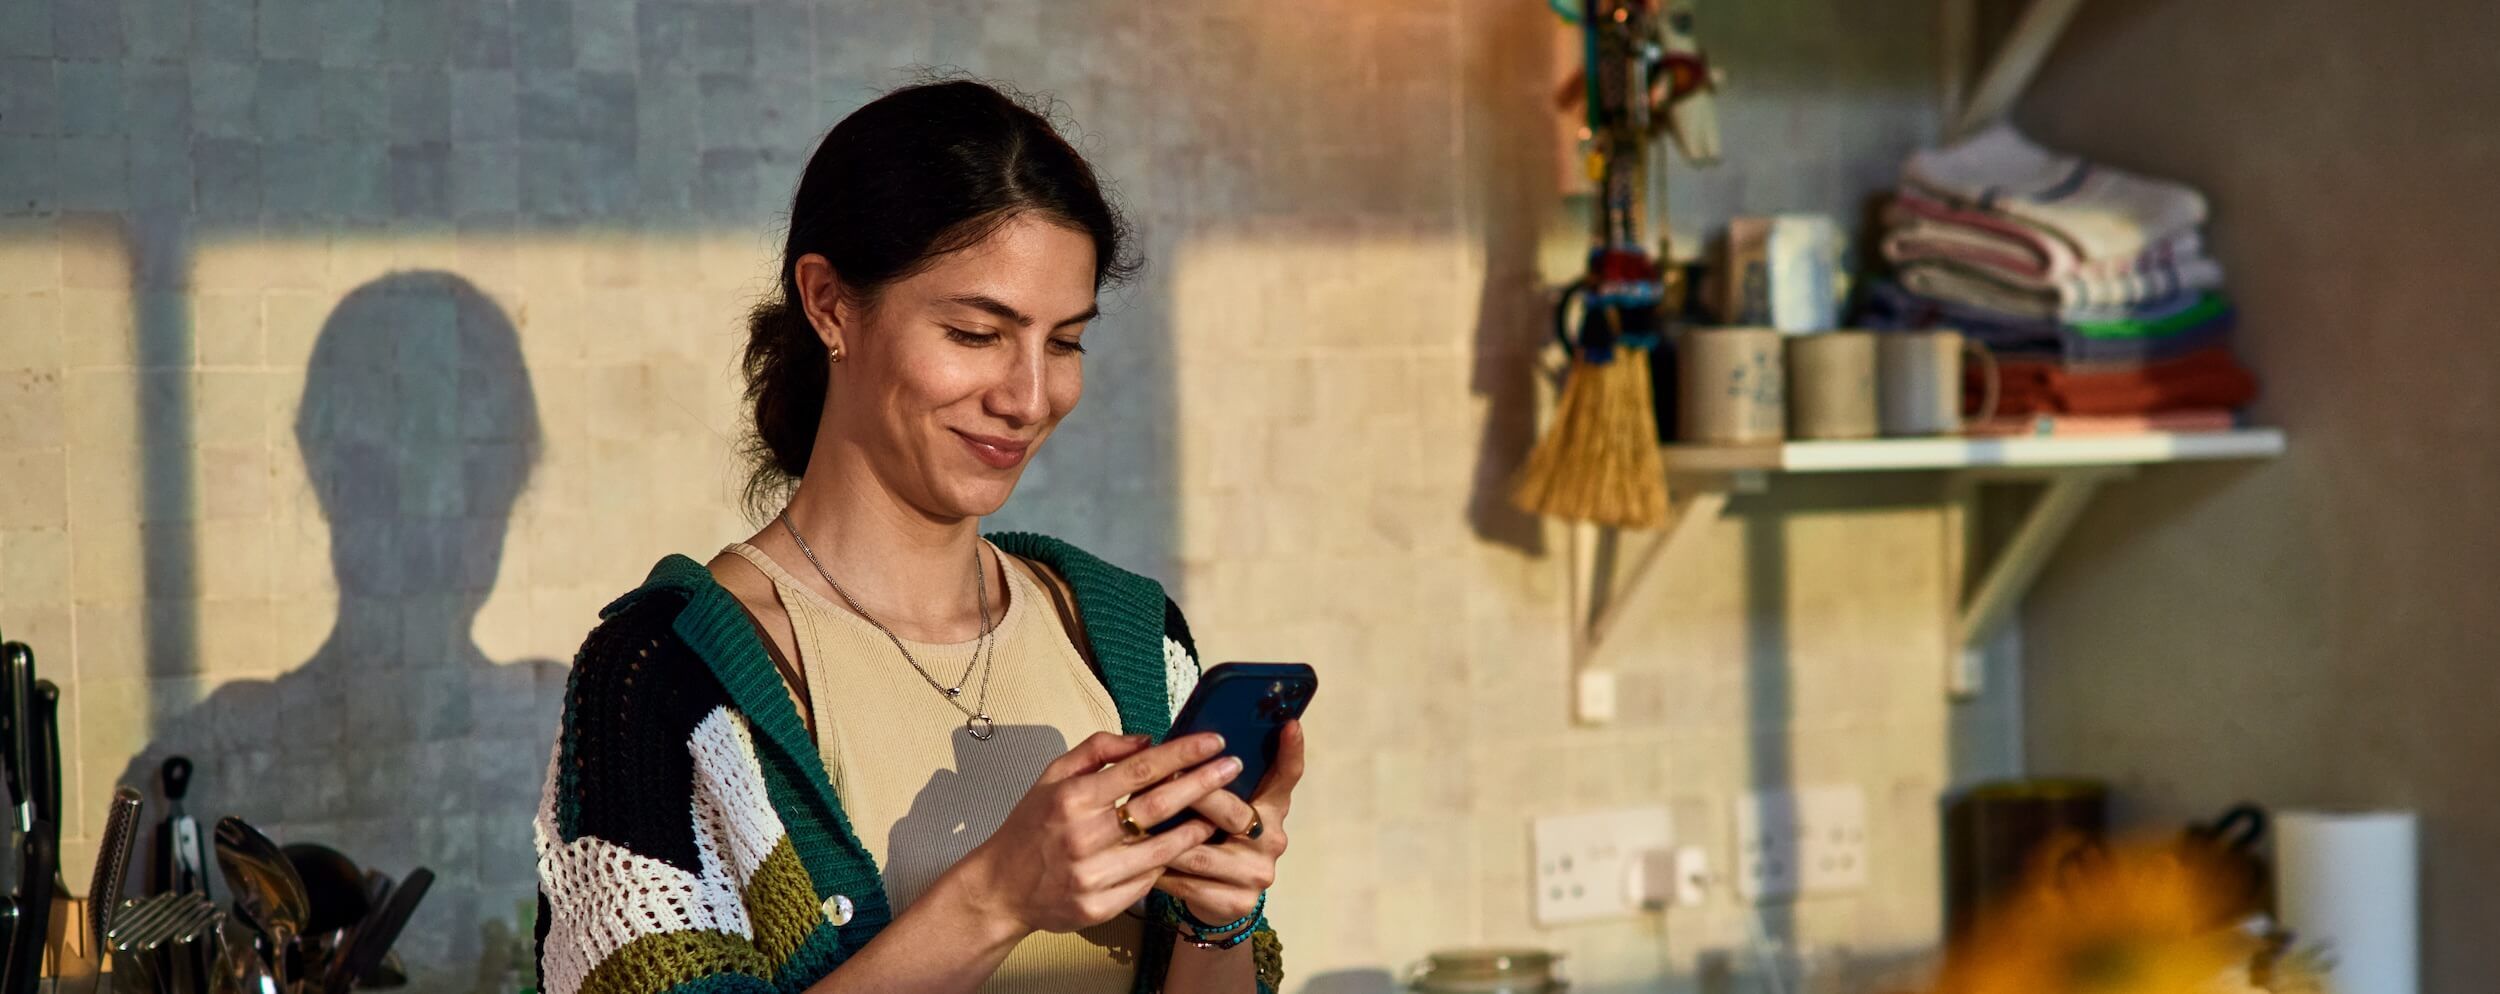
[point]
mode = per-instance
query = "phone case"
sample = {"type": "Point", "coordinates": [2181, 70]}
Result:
{"type": "Point", "coordinates": [1248, 704]}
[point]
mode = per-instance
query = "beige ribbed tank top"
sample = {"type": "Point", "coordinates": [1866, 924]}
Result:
{"type": "Point", "coordinates": [920, 792]}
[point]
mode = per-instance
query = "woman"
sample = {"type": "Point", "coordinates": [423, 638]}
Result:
{"type": "Point", "coordinates": [780, 771]}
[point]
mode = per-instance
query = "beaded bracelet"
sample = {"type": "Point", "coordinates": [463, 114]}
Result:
{"type": "Point", "coordinates": [1206, 936]}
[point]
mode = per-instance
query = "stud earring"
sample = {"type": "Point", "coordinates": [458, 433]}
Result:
{"type": "Point", "coordinates": [834, 352]}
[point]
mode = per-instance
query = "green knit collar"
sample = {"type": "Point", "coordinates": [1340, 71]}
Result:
{"type": "Point", "coordinates": [1123, 615]}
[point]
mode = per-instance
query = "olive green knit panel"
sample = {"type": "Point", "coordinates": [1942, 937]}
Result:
{"type": "Point", "coordinates": [782, 903]}
{"type": "Point", "coordinates": [657, 962]}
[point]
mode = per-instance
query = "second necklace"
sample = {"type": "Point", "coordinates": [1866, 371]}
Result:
{"type": "Point", "coordinates": [977, 721]}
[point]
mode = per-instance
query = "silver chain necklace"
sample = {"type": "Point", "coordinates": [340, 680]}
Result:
{"type": "Point", "coordinates": [977, 721]}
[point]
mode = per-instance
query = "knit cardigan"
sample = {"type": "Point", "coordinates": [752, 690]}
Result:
{"type": "Point", "coordinates": [689, 840]}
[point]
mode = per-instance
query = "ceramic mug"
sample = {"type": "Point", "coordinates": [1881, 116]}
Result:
{"type": "Point", "coordinates": [1831, 386]}
{"type": "Point", "coordinates": [1488, 971]}
{"type": "Point", "coordinates": [1918, 378]}
{"type": "Point", "coordinates": [1732, 388]}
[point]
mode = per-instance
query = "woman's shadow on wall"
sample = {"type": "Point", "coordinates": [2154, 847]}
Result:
{"type": "Point", "coordinates": [399, 742]}
{"type": "Point", "coordinates": [958, 809]}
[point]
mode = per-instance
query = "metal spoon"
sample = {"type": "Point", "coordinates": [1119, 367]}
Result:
{"type": "Point", "coordinates": [244, 972]}
{"type": "Point", "coordinates": [265, 888]}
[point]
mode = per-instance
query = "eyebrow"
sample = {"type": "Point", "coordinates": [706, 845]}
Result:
{"type": "Point", "coordinates": [985, 302]}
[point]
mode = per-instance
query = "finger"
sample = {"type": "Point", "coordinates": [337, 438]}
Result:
{"type": "Point", "coordinates": [1183, 792]}
{"type": "Point", "coordinates": [1271, 838]}
{"type": "Point", "coordinates": [1227, 810]}
{"type": "Point", "coordinates": [1240, 866]}
{"type": "Point", "coordinates": [1097, 751]}
{"type": "Point", "coordinates": [1151, 854]}
{"type": "Point", "coordinates": [1144, 769]}
{"type": "Point", "coordinates": [1128, 892]}
{"type": "Point", "coordinates": [1278, 785]}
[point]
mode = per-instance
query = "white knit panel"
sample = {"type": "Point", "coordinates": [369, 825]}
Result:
{"type": "Point", "coordinates": [1180, 676]}
{"type": "Point", "coordinates": [732, 809]}
{"type": "Point", "coordinates": [602, 896]}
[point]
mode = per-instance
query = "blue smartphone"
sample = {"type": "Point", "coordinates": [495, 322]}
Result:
{"type": "Point", "coordinates": [1248, 704]}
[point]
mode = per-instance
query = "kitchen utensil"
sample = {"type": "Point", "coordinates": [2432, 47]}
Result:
{"type": "Point", "coordinates": [134, 972]}
{"type": "Point", "coordinates": [223, 976]}
{"type": "Point", "coordinates": [112, 864]}
{"type": "Point", "coordinates": [386, 975]}
{"type": "Point", "coordinates": [159, 942]}
{"type": "Point", "coordinates": [242, 960]}
{"type": "Point", "coordinates": [1487, 971]}
{"type": "Point", "coordinates": [32, 764]}
{"type": "Point", "coordinates": [332, 882]}
{"type": "Point", "coordinates": [185, 945]}
{"type": "Point", "coordinates": [181, 858]}
{"type": "Point", "coordinates": [266, 889]}
{"type": "Point", "coordinates": [375, 936]}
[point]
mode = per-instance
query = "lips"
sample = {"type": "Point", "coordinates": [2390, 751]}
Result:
{"type": "Point", "coordinates": [999, 453]}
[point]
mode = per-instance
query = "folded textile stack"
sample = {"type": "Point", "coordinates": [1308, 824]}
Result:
{"type": "Point", "coordinates": [2090, 284]}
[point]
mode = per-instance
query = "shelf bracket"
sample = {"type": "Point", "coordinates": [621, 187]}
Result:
{"type": "Point", "coordinates": [2009, 71]}
{"type": "Point", "coordinates": [1987, 604]}
{"type": "Point", "coordinates": [1593, 624]}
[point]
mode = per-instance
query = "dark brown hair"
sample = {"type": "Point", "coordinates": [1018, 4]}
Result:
{"type": "Point", "coordinates": [916, 174]}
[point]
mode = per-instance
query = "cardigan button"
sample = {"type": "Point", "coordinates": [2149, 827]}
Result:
{"type": "Point", "coordinates": [838, 909]}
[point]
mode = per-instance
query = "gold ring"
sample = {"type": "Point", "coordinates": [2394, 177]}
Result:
{"type": "Point", "coordinates": [1128, 824]}
{"type": "Point", "coordinates": [1257, 827]}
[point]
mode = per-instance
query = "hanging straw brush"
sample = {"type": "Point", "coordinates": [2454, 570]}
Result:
{"type": "Point", "coordinates": [1599, 461]}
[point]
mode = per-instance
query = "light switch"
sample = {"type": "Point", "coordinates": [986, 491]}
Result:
{"type": "Point", "coordinates": [1596, 697]}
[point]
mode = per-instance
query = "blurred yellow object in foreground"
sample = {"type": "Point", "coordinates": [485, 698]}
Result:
{"type": "Point", "coordinates": [2132, 918]}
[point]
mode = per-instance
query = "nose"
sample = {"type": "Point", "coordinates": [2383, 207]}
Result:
{"type": "Point", "coordinates": [1022, 395]}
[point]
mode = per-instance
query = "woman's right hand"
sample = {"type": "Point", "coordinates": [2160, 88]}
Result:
{"type": "Point", "coordinates": [1062, 861]}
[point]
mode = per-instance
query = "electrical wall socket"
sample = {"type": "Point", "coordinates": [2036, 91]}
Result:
{"type": "Point", "coordinates": [1585, 863]}
{"type": "Point", "coordinates": [1793, 843]}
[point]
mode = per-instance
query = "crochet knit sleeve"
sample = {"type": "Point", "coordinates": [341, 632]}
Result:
{"type": "Point", "coordinates": [1180, 676]}
{"type": "Point", "coordinates": [660, 865]}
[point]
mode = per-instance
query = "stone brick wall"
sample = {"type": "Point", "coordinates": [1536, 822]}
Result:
{"type": "Point", "coordinates": [353, 353]}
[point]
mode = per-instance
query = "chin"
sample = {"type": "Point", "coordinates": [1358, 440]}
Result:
{"type": "Point", "coordinates": [975, 498]}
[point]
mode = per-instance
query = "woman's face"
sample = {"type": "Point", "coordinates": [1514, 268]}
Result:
{"type": "Point", "coordinates": [949, 384]}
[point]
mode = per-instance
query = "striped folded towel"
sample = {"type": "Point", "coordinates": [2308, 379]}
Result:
{"type": "Point", "coordinates": [2204, 323]}
{"type": "Point", "coordinates": [2024, 257]}
{"type": "Point", "coordinates": [2102, 212]}
{"type": "Point", "coordinates": [2131, 302]}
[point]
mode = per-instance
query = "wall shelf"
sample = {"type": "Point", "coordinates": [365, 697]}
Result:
{"type": "Point", "coordinates": [2069, 470]}
{"type": "Point", "coordinates": [2027, 452]}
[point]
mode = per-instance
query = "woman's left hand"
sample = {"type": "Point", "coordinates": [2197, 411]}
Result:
{"type": "Point", "coordinates": [1221, 880]}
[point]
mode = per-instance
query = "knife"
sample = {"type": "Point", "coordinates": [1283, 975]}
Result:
{"type": "Point", "coordinates": [33, 740]}
{"type": "Point", "coordinates": [373, 938]}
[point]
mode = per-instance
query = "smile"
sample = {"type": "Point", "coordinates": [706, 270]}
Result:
{"type": "Point", "coordinates": [999, 453]}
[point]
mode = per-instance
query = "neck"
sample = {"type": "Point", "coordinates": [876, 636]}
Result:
{"type": "Point", "coordinates": [905, 568]}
